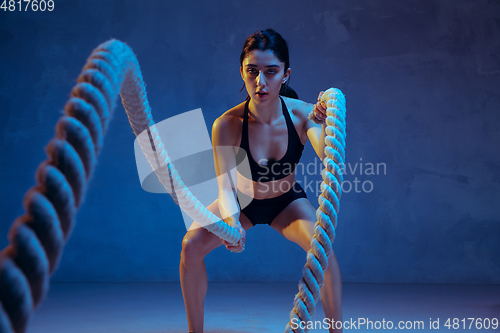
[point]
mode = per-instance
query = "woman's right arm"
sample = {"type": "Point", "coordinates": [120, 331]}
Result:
{"type": "Point", "coordinates": [224, 131]}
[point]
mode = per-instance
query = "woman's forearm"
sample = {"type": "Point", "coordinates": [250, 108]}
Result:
{"type": "Point", "coordinates": [228, 207]}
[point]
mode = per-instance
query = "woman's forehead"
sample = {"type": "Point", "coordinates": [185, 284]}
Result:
{"type": "Point", "coordinates": [261, 58]}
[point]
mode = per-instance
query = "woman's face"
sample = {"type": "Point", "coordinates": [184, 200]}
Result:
{"type": "Point", "coordinates": [263, 74]}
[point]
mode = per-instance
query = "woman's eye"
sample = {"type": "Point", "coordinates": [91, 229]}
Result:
{"type": "Point", "coordinates": [271, 71]}
{"type": "Point", "coordinates": [252, 71]}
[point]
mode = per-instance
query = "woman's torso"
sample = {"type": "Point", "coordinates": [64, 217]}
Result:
{"type": "Point", "coordinates": [276, 142]}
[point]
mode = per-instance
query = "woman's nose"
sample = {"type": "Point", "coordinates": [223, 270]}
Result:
{"type": "Point", "coordinates": [260, 79]}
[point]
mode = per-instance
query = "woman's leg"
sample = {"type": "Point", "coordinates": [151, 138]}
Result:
{"type": "Point", "coordinates": [296, 223]}
{"type": "Point", "coordinates": [197, 243]}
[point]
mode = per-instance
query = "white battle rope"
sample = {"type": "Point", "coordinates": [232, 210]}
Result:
{"type": "Point", "coordinates": [324, 229]}
{"type": "Point", "coordinates": [37, 238]}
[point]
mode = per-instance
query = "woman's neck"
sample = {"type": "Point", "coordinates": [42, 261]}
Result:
{"type": "Point", "coordinates": [267, 111]}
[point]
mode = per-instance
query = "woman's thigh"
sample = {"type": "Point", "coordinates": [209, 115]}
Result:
{"type": "Point", "coordinates": [204, 240]}
{"type": "Point", "coordinates": [296, 222]}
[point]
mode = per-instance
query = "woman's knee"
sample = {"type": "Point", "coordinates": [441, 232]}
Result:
{"type": "Point", "coordinates": [306, 236]}
{"type": "Point", "coordinates": [191, 248]}
{"type": "Point", "coordinates": [197, 244]}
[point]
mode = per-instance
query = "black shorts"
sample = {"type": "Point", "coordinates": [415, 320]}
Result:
{"type": "Point", "coordinates": [263, 211]}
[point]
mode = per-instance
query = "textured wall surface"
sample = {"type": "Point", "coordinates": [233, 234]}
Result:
{"type": "Point", "coordinates": [422, 83]}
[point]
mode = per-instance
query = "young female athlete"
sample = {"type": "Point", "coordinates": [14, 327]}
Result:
{"type": "Point", "coordinates": [271, 131]}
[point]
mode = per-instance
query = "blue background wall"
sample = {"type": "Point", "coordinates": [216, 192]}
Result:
{"type": "Point", "coordinates": [422, 85]}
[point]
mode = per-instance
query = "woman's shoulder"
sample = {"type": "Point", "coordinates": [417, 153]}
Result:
{"type": "Point", "coordinates": [297, 107]}
{"type": "Point", "coordinates": [228, 125]}
{"type": "Point", "coordinates": [231, 117]}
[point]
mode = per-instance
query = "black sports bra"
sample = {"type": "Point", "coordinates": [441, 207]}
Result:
{"type": "Point", "coordinates": [274, 170]}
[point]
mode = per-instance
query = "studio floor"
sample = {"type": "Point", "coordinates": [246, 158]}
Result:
{"type": "Point", "coordinates": [250, 308]}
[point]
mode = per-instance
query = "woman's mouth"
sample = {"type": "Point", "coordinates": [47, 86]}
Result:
{"type": "Point", "coordinates": [261, 94]}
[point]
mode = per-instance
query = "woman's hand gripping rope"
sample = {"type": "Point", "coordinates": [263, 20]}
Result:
{"type": "Point", "coordinates": [318, 113]}
{"type": "Point", "coordinates": [240, 246]}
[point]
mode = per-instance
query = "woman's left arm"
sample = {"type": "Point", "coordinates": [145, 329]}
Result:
{"type": "Point", "coordinates": [315, 130]}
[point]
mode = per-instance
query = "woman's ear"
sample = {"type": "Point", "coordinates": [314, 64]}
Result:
{"type": "Point", "coordinates": [287, 73]}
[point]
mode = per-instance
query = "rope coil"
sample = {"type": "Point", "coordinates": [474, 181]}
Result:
{"type": "Point", "coordinates": [37, 238]}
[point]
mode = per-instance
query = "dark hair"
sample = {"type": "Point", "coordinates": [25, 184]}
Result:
{"type": "Point", "coordinates": [269, 40]}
